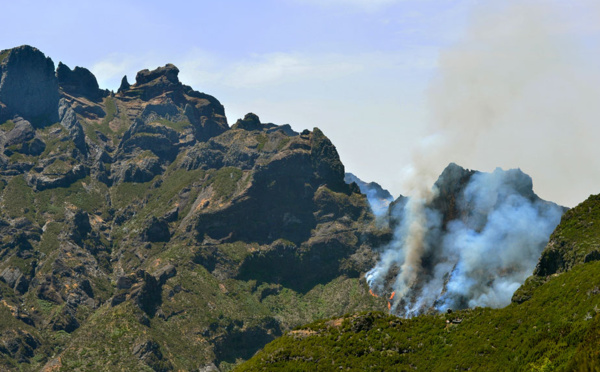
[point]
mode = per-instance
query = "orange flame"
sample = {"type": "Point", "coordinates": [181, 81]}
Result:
{"type": "Point", "coordinates": [390, 300]}
{"type": "Point", "coordinates": [373, 294]}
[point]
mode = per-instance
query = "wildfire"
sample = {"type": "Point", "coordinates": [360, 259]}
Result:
{"type": "Point", "coordinates": [390, 300]}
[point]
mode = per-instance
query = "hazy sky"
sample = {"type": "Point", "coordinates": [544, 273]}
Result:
{"type": "Point", "coordinates": [402, 87]}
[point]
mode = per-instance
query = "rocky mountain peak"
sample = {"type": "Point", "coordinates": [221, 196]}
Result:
{"type": "Point", "coordinates": [153, 83]}
{"type": "Point", "coordinates": [28, 86]}
{"type": "Point", "coordinates": [159, 95]}
{"type": "Point", "coordinates": [250, 122]}
{"type": "Point", "coordinates": [167, 73]}
{"type": "Point", "coordinates": [124, 84]}
{"type": "Point", "coordinates": [79, 82]}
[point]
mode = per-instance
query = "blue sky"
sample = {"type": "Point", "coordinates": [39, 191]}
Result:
{"type": "Point", "coordinates": [369, 73]}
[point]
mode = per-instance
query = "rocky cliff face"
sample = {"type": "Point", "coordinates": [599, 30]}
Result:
{"type": "Point", "coordinates": [574, 241]}
{"type": "Point", "coordinates": [79, 82]}
{"type": "Point", "coordinates": [141, 219]}
{"type": "Point", "coordinates": [28, 86]}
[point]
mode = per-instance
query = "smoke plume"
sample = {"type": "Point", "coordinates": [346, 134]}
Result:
{"type": "Point", "coordinates": [516, 91]}
{"type": "Point", "coordinates": [476, 252]}
{"type": "Point", "coordinates": [519, 90]}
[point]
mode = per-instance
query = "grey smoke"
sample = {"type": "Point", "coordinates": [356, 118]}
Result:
{"type": "Point", "coordinates": [519, 90]}
{"type": "Point", "coordinates": [478, 258]}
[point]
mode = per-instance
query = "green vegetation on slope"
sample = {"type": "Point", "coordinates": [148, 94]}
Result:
{"type": "Point", "coordinates": [575, 240]}
{"type": "Point", "coordinates": [196, 311]}
{"type": "Point", "coordinates": [550, 332]}
{"type": "Point", "coordinates": [179, 126]}
{"type": "Point", "coordinates": [225, 181]}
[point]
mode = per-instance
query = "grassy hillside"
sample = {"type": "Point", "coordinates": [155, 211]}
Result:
{"type": "Point", "coordinates": [550, 332]}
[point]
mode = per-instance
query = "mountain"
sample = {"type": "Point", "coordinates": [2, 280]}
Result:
{"type": "Point", "coordinates": [552, 324]}
{"type": "Point", "coordinates": [378, 197]}
{"type": "Point", "coordinates": [139, 231]}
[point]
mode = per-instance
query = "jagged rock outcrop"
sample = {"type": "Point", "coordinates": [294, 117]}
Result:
{"type": "Point", "coordinates": [22, 132]}
{"type": "Point", "coordinates": [450, 188]}
{"type": "Point", "coordinates": [69, 120]}
{"type": "Point", "coordinates": [250, 122]}
{"type": "Point", "coordinates": [158, 80]}
{"type": "Point", "coordinates": [124, 85]}
{"type": "Point", "coordinates": [203, 112]}
{"type": "Point", "coordinates": [156, 230]}
{"type": "Point", "coordinates": [79, 82]}
{"type": "Point", "coordinates": [28, 86]}
{"type": "Point", "coordinates": [50, 181]}
{"type": "Point", "coordinates": [150, 354]}
{"type": "Point", "coordinates": [19, 344]}
{"type": "Point", "coordinates": [65, 320]}
{"type": "Point", "coordinates": [15, 279]}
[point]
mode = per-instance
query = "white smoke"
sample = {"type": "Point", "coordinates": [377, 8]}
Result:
{"type": "Point", "coordinates": [479, 258]}
{"type": "Point", "coordinates": [379, 199]}
{"type": "Point", "coordinates": [378, 205]}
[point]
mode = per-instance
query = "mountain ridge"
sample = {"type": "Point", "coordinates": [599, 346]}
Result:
{"type": "Point", "coordinates": [142, 218]}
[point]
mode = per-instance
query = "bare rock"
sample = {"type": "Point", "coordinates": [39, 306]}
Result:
{"type": "Point", "coordinates": [250, 122]}
{"type": "Point", "coordinates": [125, 282]}
{"type": "Point", "coordinates": [11, 276]}
{"type": "Point", "coordinates": [168, 73]}
{"type": "Point", "coordinates": [48, 290]}
{"type": "Point", "coordinates": [43, 182]}
{"type": "Point", "coordinates": [79, 82]}
{"type": "Point", "coordinates": [68, 119]}
{"type": "Point", "coordinates": [79, 226]}
{"type": "Point", "coordinates": [157, 230]}
{"type": "Point", "coordinates": [165, 273]}
{"type": "Point", "coordinates": [28, 85]}
{"type": "Point", "coordinates": [124, 85]}
{"type": "Point", "coordinates": [147, 293]}
{"type": "Point", "coordinates": [22, 132]}
{"type": "Point", "coordinates": [149, 352]}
